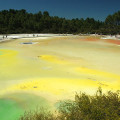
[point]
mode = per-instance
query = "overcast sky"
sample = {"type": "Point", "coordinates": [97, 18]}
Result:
{"type": "Point", "coordinates": [98, 9]}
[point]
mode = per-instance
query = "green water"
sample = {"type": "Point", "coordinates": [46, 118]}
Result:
{"type": "Point", "coordinates": [9, 110]}
{"type": "Point", "coordinates": [12, 106]}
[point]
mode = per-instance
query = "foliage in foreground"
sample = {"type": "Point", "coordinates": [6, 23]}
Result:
{"type": "Point", "coordinates": [40, 114]}
{"type": "Point", "coordinates": [84, 107]}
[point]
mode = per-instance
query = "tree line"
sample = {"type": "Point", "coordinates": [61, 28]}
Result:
{"type": "Point", "coordinates": [20, 21]}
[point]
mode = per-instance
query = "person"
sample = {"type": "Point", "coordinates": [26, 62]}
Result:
{"type": "Point", "coordinates": [3, 36]}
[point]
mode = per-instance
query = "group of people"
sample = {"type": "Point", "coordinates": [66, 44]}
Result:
{"type": "Point", "coordinates": [4, 36]}
{"type": "Point", "coordinates": [34, 35]}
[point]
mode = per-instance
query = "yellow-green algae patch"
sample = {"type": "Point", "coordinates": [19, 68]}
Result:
{"type": "Point", "coordinates": [54, 86]}
{"type": "Point", "coordinates": [53, 59]}
{"type": "Point", "coordinates": [104, 74]}
{"type": "Point", "coordinates": [1, 53]}
{"type": "Point", "coordinates": [8, 57]}
{"type": "Point", "coordinates": [7, 53]}
{"type": "Point", "coordinates": [59, 86]}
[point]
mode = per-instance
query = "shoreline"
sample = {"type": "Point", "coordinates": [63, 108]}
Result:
{"type": "Point", "coordinates": [29, 36]}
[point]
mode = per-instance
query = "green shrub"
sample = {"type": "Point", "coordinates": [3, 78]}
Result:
{"type": "Point", "coordinates": [98, 107]}
{"type": "Point", "coordinates": [40, 114]}
{"type": "Point", "coordinates": [84, 107]}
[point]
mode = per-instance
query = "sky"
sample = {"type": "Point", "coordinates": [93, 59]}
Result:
{"type": "Point", "coordinates": [97, 9]}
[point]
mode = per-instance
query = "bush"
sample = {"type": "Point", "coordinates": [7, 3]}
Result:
{"type": "Point", "coordinates": [84, 107]}
{"type": "Point", "coordinates": [40, 114]}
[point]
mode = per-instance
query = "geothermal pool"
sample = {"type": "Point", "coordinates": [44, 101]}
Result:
{"type": "Point", "coordinates": [53, 69]}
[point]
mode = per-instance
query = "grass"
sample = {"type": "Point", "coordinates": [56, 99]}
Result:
{"type": "Point", "coordinates": [85, 107]}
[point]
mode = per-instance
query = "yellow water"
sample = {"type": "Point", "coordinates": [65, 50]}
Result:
{"type": "Point", "coordinates": [58, 69]}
